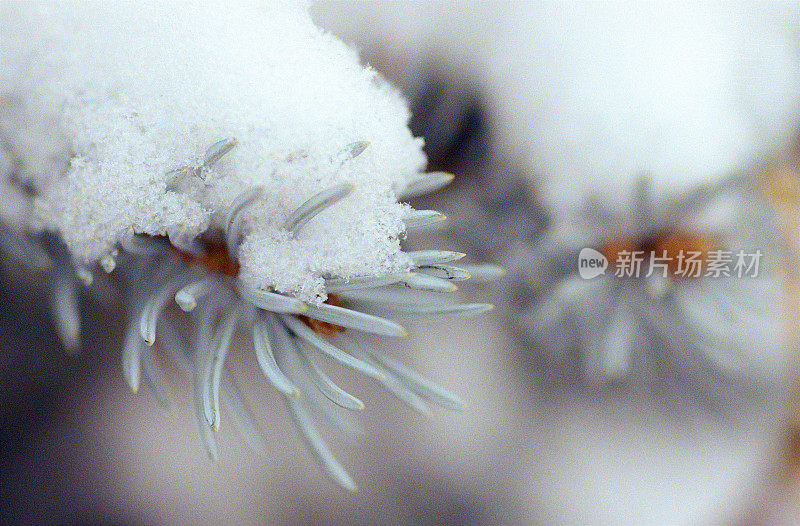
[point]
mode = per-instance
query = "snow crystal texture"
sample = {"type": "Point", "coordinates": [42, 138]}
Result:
{"type": "Point", "coordinates": [122, 93]}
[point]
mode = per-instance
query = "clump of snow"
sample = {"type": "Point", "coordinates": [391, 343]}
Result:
{"type": "Point", "coordinates": [600, 93]}
{"type": "Point", "coordinates": [323, 246]}
{"type": "Point", "coordinates": [138, 90]}
{"type": "Point", "coordinates": [587, 96]}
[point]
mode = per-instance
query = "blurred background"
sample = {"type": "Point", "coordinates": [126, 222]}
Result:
{"type": "Point", "coordinates": [615, 401]}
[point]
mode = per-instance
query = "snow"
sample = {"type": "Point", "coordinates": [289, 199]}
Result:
{"type": "Point", "coordinates": [586, 96]}
{"type": "Point", "coordinates": [138, 90]}
{"type": "Point", "coordinates": [685, 92]}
